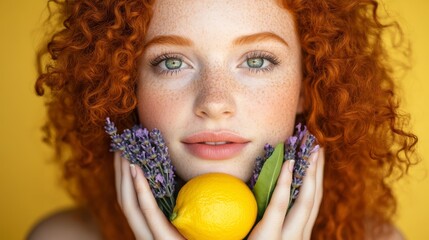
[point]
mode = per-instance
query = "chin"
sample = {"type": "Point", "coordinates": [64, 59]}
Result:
{"type": "Point", "coordinates": [243, 174]}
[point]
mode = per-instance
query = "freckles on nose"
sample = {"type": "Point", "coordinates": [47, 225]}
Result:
{"type": "Point", "coordinates": [215, 98]}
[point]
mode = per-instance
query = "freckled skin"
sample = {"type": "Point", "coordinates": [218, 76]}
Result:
{"type": "Point", "coordinates": [215, 92]}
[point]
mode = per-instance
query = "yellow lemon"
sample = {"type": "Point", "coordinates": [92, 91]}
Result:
{"type": "Point", "coordinates": [214, 206]}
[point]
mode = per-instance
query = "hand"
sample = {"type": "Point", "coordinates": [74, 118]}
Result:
{"type": "Point", "coordinates": [299, 222]}
{"type": "Point", "coordinates": [139, 205]}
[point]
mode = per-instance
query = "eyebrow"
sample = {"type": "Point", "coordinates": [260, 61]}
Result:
{"type": "Point", "coordinates": [243, 40]}
{"type": "Point", "coordinates": [170, 40]}
{"type": "Point", "coordinates": [257, 37]}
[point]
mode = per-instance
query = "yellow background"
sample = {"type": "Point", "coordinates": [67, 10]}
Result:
{"type": "Point", "coordinates": [28, 185]}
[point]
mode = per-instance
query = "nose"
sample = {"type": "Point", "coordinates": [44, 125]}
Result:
{"type": "Point", "coordinates": [215, 98]}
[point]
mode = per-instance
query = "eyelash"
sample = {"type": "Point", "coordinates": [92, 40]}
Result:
{"type": "Point", "coordinates": [258, 54]}
{"type": "Point", "coordinates": [264, 55]}
{"type": "Point", "coordinates": [155, 62]}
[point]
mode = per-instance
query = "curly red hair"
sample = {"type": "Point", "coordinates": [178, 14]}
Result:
{"type": "Point", "coordinates": [351, 105]}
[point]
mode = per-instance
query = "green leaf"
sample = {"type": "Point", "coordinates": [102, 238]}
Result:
{"type": "Point", "coordinates": [267, 179]}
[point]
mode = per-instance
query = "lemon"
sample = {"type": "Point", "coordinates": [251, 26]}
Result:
{"type": "Point", "coordinates": [214, 206]}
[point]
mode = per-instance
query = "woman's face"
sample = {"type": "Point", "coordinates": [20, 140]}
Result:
{"type": "Point", "coordinates": [220, 79]}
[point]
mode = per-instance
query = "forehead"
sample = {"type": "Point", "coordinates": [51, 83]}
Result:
{"type": "Point", "coordinates": [219, 18]}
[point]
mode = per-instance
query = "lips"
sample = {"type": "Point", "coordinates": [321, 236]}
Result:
{"type": "Point", "coordinates": [220, 145]}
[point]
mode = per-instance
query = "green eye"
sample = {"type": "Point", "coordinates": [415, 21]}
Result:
{"type": "Point", "coordinates": [255, 62]}
{"type": "Point", "coordinates": [173, 63]}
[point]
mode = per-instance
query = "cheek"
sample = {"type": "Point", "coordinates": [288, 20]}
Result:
{"type": "Point", "coordinates": [277, 110]}
{"type": "Point", "coordinates": [156, 108]}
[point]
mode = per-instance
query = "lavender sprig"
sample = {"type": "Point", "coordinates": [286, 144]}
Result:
{"type": "Point", "coordinates": [259, 163]}
{"type": "Point", "coordinates": [301, 161]}
{"type": "Point", "coordinates": [148, 150]}
{"type": "Point", "coordinates": [293, 142]}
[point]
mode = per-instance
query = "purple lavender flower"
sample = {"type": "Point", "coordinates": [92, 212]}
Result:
{"type": "Point", "coordinates": [148, 150]}
{"type": "Point", "coordinates": [301, 159]}
{"type": "Point", "coordinates": [293, 142]}
{"type": "Point", "coordinates": [290, 148]}
{"type": "Point", "coordinates": [259, 163]}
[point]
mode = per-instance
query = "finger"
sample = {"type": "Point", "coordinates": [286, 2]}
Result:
{"type": "Point", "coordinates": [277, 208]}
{"type": "Point", "coordinates": [118, 176]}
{"type": "Point", "coordinates": [130, 205]}
{"type": "Point", "coordinates": [300, 212]}
{"type": "Point", "coordinates": [158, 223]}
{"type": "Point", "coordinates": [318, 195]}
{"type": "Point", "coordinates": [271, 223]}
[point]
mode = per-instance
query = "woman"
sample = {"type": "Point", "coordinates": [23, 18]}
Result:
{"type": "Point", "coordinates": [235, 75]}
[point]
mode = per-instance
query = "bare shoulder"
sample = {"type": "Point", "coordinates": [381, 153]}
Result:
{"type": "Point", "coordinates": [386, 232]}
{"type": "Point", "coordinates": [67, 224]}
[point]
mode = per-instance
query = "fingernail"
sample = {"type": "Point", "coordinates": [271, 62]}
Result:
{"type": "Point", "coordinates": [133, 170]}
{"type": "Point", "coordinates": [315, 155]}
{"type": "Point", "coordinates": [291, 164]}
{"type": "Point", "coordinates": [315, 149]}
